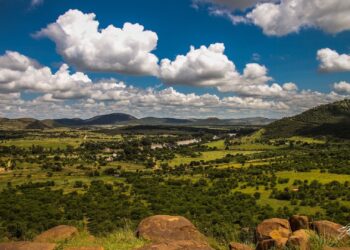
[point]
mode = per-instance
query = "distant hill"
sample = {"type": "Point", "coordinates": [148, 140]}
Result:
{"type": "Point", "coordinates": [125, 119]}
{"type": "Point", "coordinates": [108, 119]}
{"type": "Point", "coordinates": [325, 120]}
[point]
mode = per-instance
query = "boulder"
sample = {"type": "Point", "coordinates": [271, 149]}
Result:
{"type": "Point", "coordinates": [329, 229]}
{"type": "Point", "coordinates": [298, 222]}
{"type": "Point", "coordinates": [25, 245]}
{"type": "Point", "coordinates": [274, 228]}
{"type": "Point", "coordinates": [56, 234]}
{"type": "Point", "coordinates": [84, 248]}
{"type": "Point", "coordinates": [300, 240]}
{"type": "Point", "coordinates": [165, 228]}
{"type": "Point", "coordinates": [336, 248]}
{"type": "Point", "coordinates": [176, 245]}
{"type": "Point", "coordinates": [266, 244]}
{"type": "Point", "coordinates": [239, 246]}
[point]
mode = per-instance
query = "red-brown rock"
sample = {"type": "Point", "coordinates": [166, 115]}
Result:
{"type": "Point", "coordinates": [300, 239]}
{"type": "Point", "coordinates": [58, 233]}
{"type": "Point", "coordinates": [274, 228]}
{"type": "Point", "coordinates": [328, 229]}
{"type": "Point", "coordinates": [176, 245]}
{"type": "Point", "coordinates": [298, 222]}
{"type": "Point", "coordinates": [84, 248]}
{"type": "Point", "coordinates": [266, 244]}
{"type": "Point", "coordinates": [165, 228]}
{"type": "Point", "coordinates": [25, 245]}
{"type": "Point", "coordinates": [239, 246]}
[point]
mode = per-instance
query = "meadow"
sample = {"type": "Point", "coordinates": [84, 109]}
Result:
{"type": "Point", "coordinates": [222, 183]}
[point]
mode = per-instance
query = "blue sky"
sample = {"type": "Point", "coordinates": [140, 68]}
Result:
{"type": "Point", "coordinates": [289, 55]}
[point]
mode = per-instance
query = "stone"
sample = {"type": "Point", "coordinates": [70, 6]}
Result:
{"type": "Point", "coordinates": [59, 233]}
{"type": "Point", "coordinates": [176, 245]}
{"type": "Point", "coordinates": [274, 228]}
{"type": "Point", "coordinates": [300, 239]}
{"type": "Point", "coordinates": [26, 245]}
{"type": "Point", "coordinates": [239, 246]}
{"type": "Point", "coordinates": [265, 244]}
{"type": "Point", "coordinates": [84, 248]}
{"type": "Point", "coordinates": [298, 222]}
{"type": "Point", "coordinates": [329, 229]}
{"type": "Point", "coordinates": [165, 228]}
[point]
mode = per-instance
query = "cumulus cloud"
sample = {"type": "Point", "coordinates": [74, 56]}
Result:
{"type": "Point", "coordinates": [210, 67]}
{"type": "Point", "coordinates": [289, 16]}
{"type": "Point", "coordinates": [66, 94]}
{"type": "Point", "coordinates": [282, 17]}
{"type": "Point", "coordinates": [81, 42]}
{"type": "Point", "coordinates": [342, 87]}
{"type": "Point", "coordinates": [331, 61]}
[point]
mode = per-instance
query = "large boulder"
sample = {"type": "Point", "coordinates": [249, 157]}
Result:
{"type": "Point", "coordinates": [56, 234]}
{"type": "Point", "coordinates": [165, 228]}
{"type": "Point", "coordinates": [300, 240]}
{"type": "Point", "coordinates": [171, 232]}
{"type": "Point", "coordinates": [176, 245]}
{"type": "Point", "coordinates": [239, 246]}
{"type": "Point", "coordinates": [266, 244]}
{"type": "Point", "coordinates": [329, 229]}
{"type": "Point", "coordinates": [298, 222]}
{"type": "Point", "coordinates": [26, 245]}
{"type": "Point", "coordinates": [84, 248]}
{"type": "Point", "coordinates": [274, 228]}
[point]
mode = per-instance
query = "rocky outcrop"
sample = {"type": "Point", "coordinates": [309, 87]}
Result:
{"type": "Point", "coordinates": [298, 222]}
{"type": "Point", "coordinates": [300, 239]}
{"type": "Point", "coordinates": [84, 248]}
{"type": "Point", "coordinates": [171, 232]}
{"type": "Point", "coordinates": [25, 245]}
{"type": "Point", "coordinates": [328, 229]}
{"type": "Point", "coordinates": [273, 233]}
{"type": "Point", "coordinates": [239, 246]}
{"type": "Point", "coordinates": [56, 234]}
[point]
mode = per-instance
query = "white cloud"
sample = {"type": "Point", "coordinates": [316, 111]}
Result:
{"type": "Point", "coordinates": [331, 61]}
{"type": "Point", "coordinates": [210, 67]}
{"type": "Point", "coordinates": [66, 94]}
{"type": "Point", "coordinates": [36, 2]}
{"type": "Point", "coordinates": [82, 44]}
{"type": "Point", "coordinates": [342, 87]}
{"type": "Point", "coordinates": [231, 4]}
{"type": "Point", "coordinates": [289, 16]}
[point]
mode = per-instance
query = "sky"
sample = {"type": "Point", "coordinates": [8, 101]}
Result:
{"type": "Point", "coordinates": [174, 58]}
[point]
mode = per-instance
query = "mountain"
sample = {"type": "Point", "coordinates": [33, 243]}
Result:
{"type": "Point", "coordinates": [21, 123]}
{"type": "Point", "coordinates": [325, 120]}
{"type": "Point", "coordinates": [108, 119]}
{"type": "Point", "coordinates": [126, 120]}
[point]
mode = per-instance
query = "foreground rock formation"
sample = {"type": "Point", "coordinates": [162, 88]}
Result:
{"type": "Point", "coordinates": [171, 233]}
{"type": "Point", "coordinates": [25, 245]}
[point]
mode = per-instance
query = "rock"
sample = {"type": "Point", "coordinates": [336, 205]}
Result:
{"type": "Point", "coordinates": [58, 233]}
{"type": "Point", "coordinates": [25, 245]}
{"type": "Point", "coordinates": [84, 248]}
{"type": "Point", "coordinates": [274, 228]}
{"type": "Point", "coordinates": [329, 229]}
{"type": "Point", "coordinates": [299, 222]}
{"type": "Point", "coordinates": [239, 246]}
{"type": "Point", "coordinates": [265, 244]}
{"type": "Point", "coordinates": [300, 239]}
{"type": "Point", "coordinates": [176, 245]}
{"type": "Point", "coordinates": [336, 248]}
{"type": "Point", "coordinates": [164, 228]}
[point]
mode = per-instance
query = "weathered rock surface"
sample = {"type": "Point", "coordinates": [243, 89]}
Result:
{"type": "Point", "coordinates": [239, 246]}
{"type": "Point", "coordinates": [171, 233]}
{"type": "Point", "coordinates": [298, 222]}
{"type": "Point", "coordinates": [329, 229]}
{"type": "Point", "coordinates": [176, 245]}
{"type": "Point", "coordinates": [25, 245]}
{"type": "Point", "coordinates": [58, 233]}
{"type": "Point", "coordinates": [266, 244]}
{"type": "Point", "coordinates": [274, 228]}
{"type": "Point", "coordinates": [336, 248]}
{"type": "Point", "coordinates": [300, 240]}
{"type": "Point", "coordinates": [165, 228]}
{"type": "Point", "coordinates": [84, 248]}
